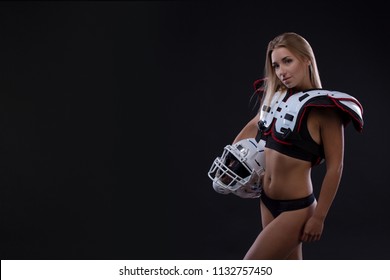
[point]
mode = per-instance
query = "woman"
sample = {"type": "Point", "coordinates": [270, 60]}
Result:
{"type": "Point", "coordinates": [290, 213]}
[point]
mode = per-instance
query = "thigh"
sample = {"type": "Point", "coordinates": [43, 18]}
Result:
{"type": "Point", "coordinates": [266, 216]}
{"type": "Point", "coordinates": [280, 236]}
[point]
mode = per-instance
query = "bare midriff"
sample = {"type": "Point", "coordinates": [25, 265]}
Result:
{"type": "Point", "coordinates": [286, 177]}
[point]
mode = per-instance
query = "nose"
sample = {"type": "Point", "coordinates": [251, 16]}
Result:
{"type": "Point", "coordinates": [281, 71]}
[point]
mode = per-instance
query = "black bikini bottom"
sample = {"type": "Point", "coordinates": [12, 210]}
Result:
{"type": "Point", "coordinates": [276, 207]}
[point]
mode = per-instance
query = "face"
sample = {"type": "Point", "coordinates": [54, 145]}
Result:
{"type": "Point", "coordinates": [291, 71]}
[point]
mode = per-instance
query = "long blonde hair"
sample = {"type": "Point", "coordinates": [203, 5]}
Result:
{"type": "Point", "coordinates": [299, 47]}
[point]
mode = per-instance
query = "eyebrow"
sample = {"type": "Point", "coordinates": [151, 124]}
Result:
{"type": "Point", "coordinates": [283, 59]}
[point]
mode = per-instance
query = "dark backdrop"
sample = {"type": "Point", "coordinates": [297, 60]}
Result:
{"type": "Point", "coordinates": [111, 114]}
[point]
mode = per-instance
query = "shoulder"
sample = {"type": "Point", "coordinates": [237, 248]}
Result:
{"type": "Point", "coordinates": [326, 119]}
{"type": "Point", "coordinates": [323, 114]}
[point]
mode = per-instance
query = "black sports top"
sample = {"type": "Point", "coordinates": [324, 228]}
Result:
{"type": "Point", "coordinates": [298, 145]}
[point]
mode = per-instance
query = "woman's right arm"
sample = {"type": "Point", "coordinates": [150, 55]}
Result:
{"type": "Point", "coordinates": [250, 130]}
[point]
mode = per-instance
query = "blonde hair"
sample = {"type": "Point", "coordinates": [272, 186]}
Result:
{"type": "Point", "coordinates": [299, 47]}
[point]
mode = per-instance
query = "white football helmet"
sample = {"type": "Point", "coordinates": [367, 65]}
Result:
{"type": "Point", "coordinates": [239, 168]}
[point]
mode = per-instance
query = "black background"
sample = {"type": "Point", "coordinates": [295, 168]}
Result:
{"type": "Point", "coordinates": [111, 114]}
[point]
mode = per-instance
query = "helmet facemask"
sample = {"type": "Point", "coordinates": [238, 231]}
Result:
{"type": "Point", "coordinates": [232, 171]}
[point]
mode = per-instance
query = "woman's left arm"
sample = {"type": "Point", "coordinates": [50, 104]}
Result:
{"type": "Point", "coordinates": [332, 137]}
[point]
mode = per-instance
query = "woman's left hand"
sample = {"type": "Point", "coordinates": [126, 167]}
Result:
{"type": "Point", "coordinates": [312, 230]}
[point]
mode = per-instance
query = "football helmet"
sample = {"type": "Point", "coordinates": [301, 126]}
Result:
{"type": "Point", "coordinates": [239, 169]}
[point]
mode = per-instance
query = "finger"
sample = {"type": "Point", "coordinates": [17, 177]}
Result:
{"type": "Point", "coordinates": [317, 237]}
{"type": "Point", "coordinates": [309, 237]}
{"type": "Point", "coordinates": [314, 237]}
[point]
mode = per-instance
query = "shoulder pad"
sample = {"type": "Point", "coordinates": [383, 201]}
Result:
{"type": "Point", "coordinates": [288, 112]}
